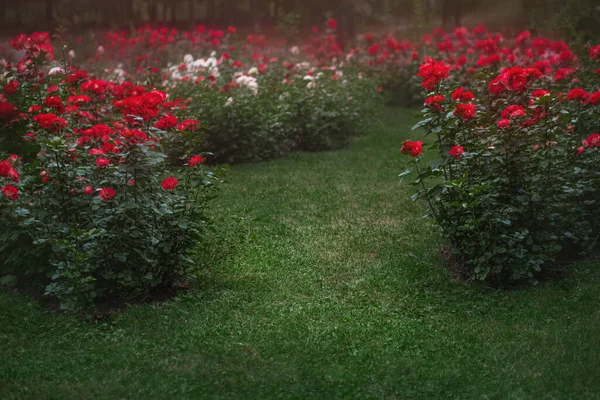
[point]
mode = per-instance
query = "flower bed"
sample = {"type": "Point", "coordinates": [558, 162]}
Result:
{"type": "Point", "coordinates": [517, 185]}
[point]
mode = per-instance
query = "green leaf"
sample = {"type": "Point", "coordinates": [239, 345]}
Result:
{"type": "Point", "coordinates": [421, 123]}
{"type": "Point", "coordinates": [8, 280]}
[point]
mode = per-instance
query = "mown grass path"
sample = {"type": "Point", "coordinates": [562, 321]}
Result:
{"type": "Point", "coordinates": [332, 289]}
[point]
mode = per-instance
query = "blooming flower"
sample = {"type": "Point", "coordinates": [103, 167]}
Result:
{"type": "Point", "coordinates": [433, 102]}
{"type": "Point", "coordinates": [513, 111]}
{"type": "Point", "coordinates": [170, 183]}
{"type": "Point", "coordinates": [461, 95]}
{"type": "Point", "coordinates": [50, 122]}
{"type": "Point", "coordinates": [189, 125]}
{"type": "Point", "coordinates": [504, 123]}
{"type": "Point", "coordinates": [432, 72]}
{"type": "Point", "coordinates": [107, 194]}
{"type": "Point", "coordinates": [166, 122]}
{"type": "Point", "coordinates": [414, 149]}
{"type": "Point", "coordinates": [10, 193]}
{"type": "Point", "coordinates": [465, 111]}
{"type": "Point", "coordinates": [578, 94]}
{"type": "Point", "coordinates": [195, 160]}
{"type": "Point", "coordinates": [102, 162]}
{"type": "Point", "coordinates": [456, 151]}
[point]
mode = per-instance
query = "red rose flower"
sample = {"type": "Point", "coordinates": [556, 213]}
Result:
{"type": "Point", "coordinates": [513, 111]}
{"type": "Point", "coordinates": [578, 94]}
{"type": "Point", "coordinates": [332, 23]}
{"type": "Point", "coordinates": [433, 102]}
{"type": "Point", "coordinates": [50, 122]}
{"type": "Point", "coordinates": [5, 167]}
{"type": "Point", "coordinates": [88, 190]}
{"type": "Point", "coordinates": [170, 183]}
{"type": "Point", "coordinates": [465, 111]}
{"type": "Point", "coordinates": [195, 160]}
{"type": "Point", "coordinates": [189, 125]}
{"type": "Point", "coordinates": [594, 98]}
{"type": "Point", "coordinates": [461, 95]}
{"type": "Point", "coordinates": [8, 111]}
{"type": "Point", "coordinates": [107, 193]}
{"type": "Point", "coordinates": [456, 151]}
{"type": "Point", "coordinates": [102, 162]}
{"type": "Point", "coordinates": [540, 93]}
{"type": "Point", "coordinates": [593, 140]}
{"type": "Point", "coordinates": [10, 193]}
{"type": "Point", "coordinates": [432, 72]}
{"type": "Point", "coordinates": [414, 149]}
{"type": "Point", "coordinates": [10, 88]}
{"type": "Point", "coordinates": [166, 122]}
{"type": "Point", "coordinates": [504, 123]}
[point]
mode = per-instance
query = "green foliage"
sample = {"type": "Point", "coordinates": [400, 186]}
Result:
{"type": "Point", "coordinates": [280, 115]}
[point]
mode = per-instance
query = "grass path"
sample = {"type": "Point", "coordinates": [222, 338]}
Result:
{"type": "Point", "coordinates": [332, 290]}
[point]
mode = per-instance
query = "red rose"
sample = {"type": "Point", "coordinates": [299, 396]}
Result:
{"type": "Point", "coordinates": [503, 123]}
{"type": "Point", "coordinates": [88, 190]}
{"type": "Point", "coordinates": [513, 111]}
{"type": "Point", "coordinates": [102, 163]}
{"type": "Point", "coordinates": [461, 95]}
{"type": "Point", "coordinates": [593, 140]}
{"type": "Point", "coordinates": [170, 183]}
{"type": "Point", "coordinates": [10, 88]}
{"type": "Point", "coordinates": [96, 152]}
{"type": "Point", "coordinates": [107, 193]}
{"type": "Point", "coordinates": [5, 167]}
{"type": "Point", "coordinates": [8, 111]}
{"type": "Point", "coordinates": [432, 72]}
{"type": "Point", "coordinates": [10, 193]}
{"type": "Point", "coordinates": [188, 125]}
{"type": "Point", "coordinates": [373, 49]}
{"type": "Point", "coordinates": [166, 122]}
{"type": "Point", "coordinates": [433, 102]}
{"type": "Point", "coordinates": [594, 98]}
{"type": "Point", "coordinates": [456, 151]}
{"type": "Point", "coordinates": [578, 94]}
{"type": "Point", "coordinates": [465, 111]}
{"type": "Point", "coordinates": [195, 160]}
{"type": "Point", "coordinates": [414, 149]}
{"type": "Point", "coordinates": [50, 122]}
{"type": "Point", "coordinates": [540, 93]}
{"type": "Point", "coordinates": [332, 23]}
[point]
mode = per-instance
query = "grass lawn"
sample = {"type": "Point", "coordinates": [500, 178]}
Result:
{"type": "Point", "coordinates": [332, 289]}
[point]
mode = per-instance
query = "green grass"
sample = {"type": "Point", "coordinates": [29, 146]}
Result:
{"type": "Point", "coordinates": [332, 289]}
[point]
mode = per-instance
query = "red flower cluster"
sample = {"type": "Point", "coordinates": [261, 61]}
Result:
{"type": "Point", "coordinates": [50, 122]}
{"type": "Point", "coordinates": [515, 79]}
{"type": "Point", "coordinates": [432, 72]}
{"type": "Point", "coordinates": [461, 95]}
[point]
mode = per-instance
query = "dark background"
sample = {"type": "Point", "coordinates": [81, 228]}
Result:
{"type": "Point", "coordinates": [262, 15]}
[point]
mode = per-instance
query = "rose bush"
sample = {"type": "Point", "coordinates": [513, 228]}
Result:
{"type": "Point", "coordinates": [517, 185]}
{"type": "Point", "coordinates": [93, 213]}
